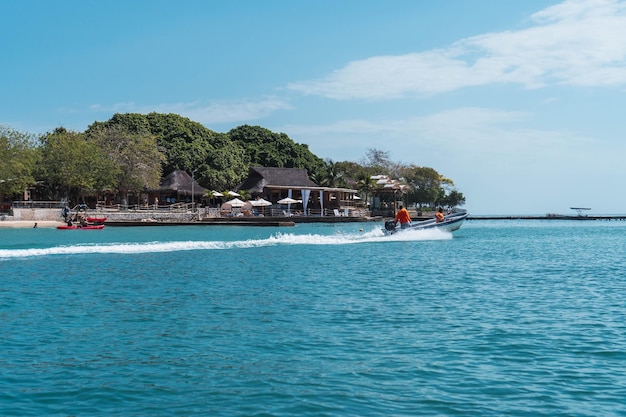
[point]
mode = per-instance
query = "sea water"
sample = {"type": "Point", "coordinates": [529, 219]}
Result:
{"type": "Point", "coordinates": [516, 318]}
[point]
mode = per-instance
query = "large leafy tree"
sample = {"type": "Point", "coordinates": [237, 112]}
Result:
{"type": "Point", "coordinates": [265, 148]}
{"type": "Point", "coordinates": [452, 199]}
{"type": "Point", "coordinates": [71, 166]}
{"type": "Point", "coordinates": [217, 161]}
{"type": "Point", "coordinates": [18, 157]}
{"type": "Point", "coordinates": [427, 184]}
{"type": "Point", "coordinates": [135, 155]}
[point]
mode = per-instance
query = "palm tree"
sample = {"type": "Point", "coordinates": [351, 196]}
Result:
{"type": "Point", "coordinates": [333, 176]}
{"type": "Point", "coordinates": [365, 185]}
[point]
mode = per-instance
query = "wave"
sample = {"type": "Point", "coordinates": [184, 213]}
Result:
{"type": "Point", "coordinates": [174, 246]}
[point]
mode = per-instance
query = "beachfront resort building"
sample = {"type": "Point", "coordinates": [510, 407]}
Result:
{"type": "Point", "coordinates": [278, 184]}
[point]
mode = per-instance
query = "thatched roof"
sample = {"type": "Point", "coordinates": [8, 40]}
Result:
{"type": "Point", "coordinates": [180, 182]}
{"type": "Point", "coordinates": [260, 178]}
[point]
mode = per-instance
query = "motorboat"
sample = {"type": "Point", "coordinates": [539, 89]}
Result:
{"type": "Point", "coordinates": [88, 223]}
{"type": "Point", "coordinates": [81, 227]}
{"type": "Point", "coordinates": [450, 223]}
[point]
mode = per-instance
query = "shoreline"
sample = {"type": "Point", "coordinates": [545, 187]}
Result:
{"type": "Point", "coordinates": [26, 224]}
{"type": "Point", "coordinates": [288, 221]}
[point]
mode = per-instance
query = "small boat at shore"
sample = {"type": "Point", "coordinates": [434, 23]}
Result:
{"type": "Point", "coordinates": [450, 223]}
{"type": "Point", "coordinates": [81, 227]}
{"type": "Point", "coordinates": [96, 220]}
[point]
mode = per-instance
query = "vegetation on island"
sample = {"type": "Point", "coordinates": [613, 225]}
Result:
{"type": "Point", "coordinates": [130, 153]}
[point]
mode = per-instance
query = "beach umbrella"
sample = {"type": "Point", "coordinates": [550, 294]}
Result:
{"type": "Point", "coordinates": [216, 194]}
{"type": "Point", "coordinates": [233, 194]}
{"type": "Point", "coordinates": [287, 200]}
{"type": "Point", "coordinates": [235, 202]}
{"type": "Point", "coordinates": [261, 202]}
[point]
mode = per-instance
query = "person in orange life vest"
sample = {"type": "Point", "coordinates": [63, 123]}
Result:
{"type": "Point", "coordinates": [403, 217]}
{"type": "Point", "coordinates": [439, 216]}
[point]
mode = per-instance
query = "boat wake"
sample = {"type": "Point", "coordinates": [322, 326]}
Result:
{"type": "Point", "coordinates": [275, 240]}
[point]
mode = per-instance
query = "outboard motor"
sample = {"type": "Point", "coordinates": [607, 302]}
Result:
{"type": "Point", "coordinates": [390, 225]}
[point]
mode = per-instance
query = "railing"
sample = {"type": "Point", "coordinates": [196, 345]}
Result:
{"type": "Point", "coordinates": [38, 204]}
{"type": "Point", "coordinates": [209, 212]}
{"type": "Point", "coordinates": [172, 208]}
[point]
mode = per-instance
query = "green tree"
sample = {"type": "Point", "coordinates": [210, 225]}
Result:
{"type": "Point", "coordinates": [71, 166]}
{"type": "Point", "coordinates": [332, 176]}
{"type": "Point", "coordinates": [188, 146]}
{"type": "Point", "coordinates": [425, 183]}
{"type": "Point", "coordinates": [366, 185]}
{"type": "Point", "coordinates": [18, 156]}
{"type": "Point", "coordinates": [135, 155]}
{"type": "Point", "coordinates": [265, 148]}
{"type": "Point", "coordinates": [452, 199]}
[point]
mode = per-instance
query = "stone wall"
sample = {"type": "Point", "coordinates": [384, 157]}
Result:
{"type": "Point", "coordinates": [41, 214]}
{"type": "Point", "coordinates": [36, 214]}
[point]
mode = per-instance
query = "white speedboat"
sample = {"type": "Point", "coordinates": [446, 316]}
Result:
{"type": "Point", "coordinates": [450, 223]}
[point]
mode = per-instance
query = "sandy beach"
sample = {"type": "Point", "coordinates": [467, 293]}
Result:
{"type": "Point", "coordinates": [14, 224]}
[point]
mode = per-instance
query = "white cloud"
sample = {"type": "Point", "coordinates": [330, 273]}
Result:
{"type": "Point", "coordinates": [577, 42]}
{"type": "Point", "coordinates": [501, 163]}
{"type": "Point", "coordinates": [226, 111]}
{"type": "Point", "coordinates": [204, 112]}
{"type": "Point", "coordinates": [455, 131]}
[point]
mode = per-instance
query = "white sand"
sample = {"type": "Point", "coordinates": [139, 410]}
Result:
{"type": "Point", "coordinates": [29, 223]}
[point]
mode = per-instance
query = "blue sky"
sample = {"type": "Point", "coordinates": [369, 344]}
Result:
{"type": "Point", "coordinates": [519, 102]}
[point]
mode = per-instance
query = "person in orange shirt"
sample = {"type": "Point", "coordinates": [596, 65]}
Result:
{"type": "Point", "coordinates": [439, 216]}
{"type": "Point", "coordinates": [403, 217]}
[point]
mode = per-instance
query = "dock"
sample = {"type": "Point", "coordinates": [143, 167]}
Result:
{"type": "Point", "coordinates": [607, 217]}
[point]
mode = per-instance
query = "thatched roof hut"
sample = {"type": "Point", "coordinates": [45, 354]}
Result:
{"type": "Point", "coordinates": [179, 183]}
{"type": "Point", "coordinates": [260, 178]}
{"type": "Point", "coordinates": [274, 184]}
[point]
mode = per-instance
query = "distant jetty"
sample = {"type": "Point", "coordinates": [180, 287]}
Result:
{"type": "Point", "coordinates": [618, 217]}
{"type": "Point", "coordinates": [581, 214]}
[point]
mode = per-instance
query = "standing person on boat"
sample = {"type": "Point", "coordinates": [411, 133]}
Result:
{"type": "Point", "coordinates": [439, 216]}
{"type": "Point", "coordinates": [403, 217]}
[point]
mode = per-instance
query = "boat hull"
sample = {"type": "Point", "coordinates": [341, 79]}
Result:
{"type": "Point", "coordinates": [450, 223]}
{"type": "Point", "coordinates": [76, 227]}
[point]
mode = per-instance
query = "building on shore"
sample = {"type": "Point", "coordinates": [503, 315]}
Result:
{"type": "Point", "coordinates": [277, 184]}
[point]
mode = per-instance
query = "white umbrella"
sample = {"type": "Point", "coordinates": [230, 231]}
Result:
{"type": "Point", "coordinates": [235, 202]}
{"type": "Point", "coordinates": [216, 194]}
{"type": "Point", "coordinates": [260, 202]}
{"type": "Point", "coordinates": [287, 200]}
{"type": "Point", "coordinates": [233, 194]}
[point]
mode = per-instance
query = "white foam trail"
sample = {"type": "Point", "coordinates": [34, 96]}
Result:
{"type": "Point", "coordinates": [375, 235]}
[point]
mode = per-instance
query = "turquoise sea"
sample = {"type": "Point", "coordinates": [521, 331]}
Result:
{"type": "Point", "coordinates": [503, 318]}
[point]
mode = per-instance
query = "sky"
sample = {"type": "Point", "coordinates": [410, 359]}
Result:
{"type": "Point", "coordinates": [520, 103]}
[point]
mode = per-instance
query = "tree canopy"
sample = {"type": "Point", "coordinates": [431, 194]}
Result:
{"type": "Point", "coordinates": [265, 148]}
{"type": "Point", "coordinates": [19, 158]}
{"type": "Point", "coordinates": [186, 145]}
{"type": "Point", "coordinates": [134, 153]}
{"type": "Point", "coordinates": [130, 153]}
{"type": "Point", "coordinates": [71, 166]}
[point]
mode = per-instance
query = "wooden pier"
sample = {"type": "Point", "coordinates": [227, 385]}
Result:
{"type": "Point", "coordinates": [617, 217]}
